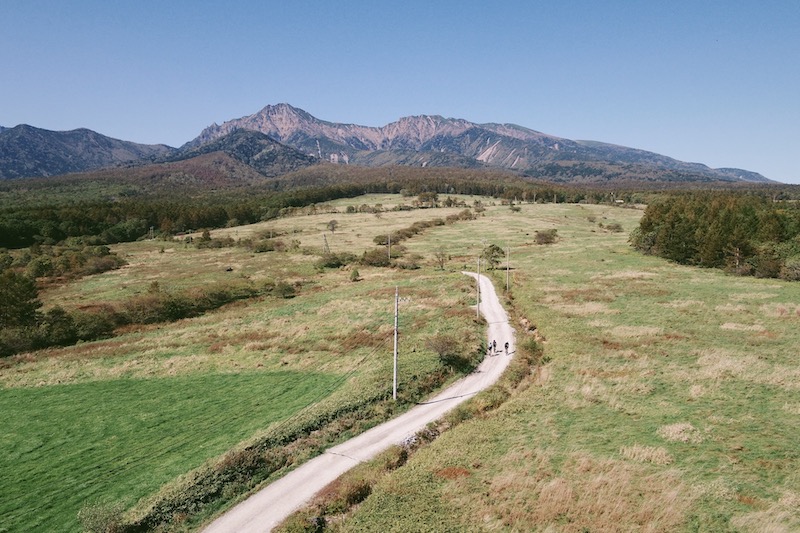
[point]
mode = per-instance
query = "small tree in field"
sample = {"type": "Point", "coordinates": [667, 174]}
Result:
{"type": "Point", "coordinates": [332, 225]}
{"type": "Point", "coordinates": [493, 254]}
{"type": "Point", "coordinates": [441, 258]}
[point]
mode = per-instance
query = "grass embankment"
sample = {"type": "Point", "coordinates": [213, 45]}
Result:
{"type": "Point", "coordinates": [670, 403]}
{"type": "Point", "coordinates": [113, 421]}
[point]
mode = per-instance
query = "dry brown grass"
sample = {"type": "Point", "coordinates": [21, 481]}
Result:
{"type": "Point", "coordinates": [731, 308]}
{"type": "Point", "coordinates": [626, 275]}
{"type": "Point", "coordinates": [646, 454]}
{"type": "Point", "coordinates": [779, 517]}
{"type": "Point", "coordinates": [780, 310]}
{"type": "Point", "coordinates": [584, 309]}
{"type": "Point", "coordinates": [734, 326]}
{"type": "Point", "coordinates": [718, 364]}
{"type": "Point", "coordinates": [738, 297]}
{"type": "Point", "coordinates": [684, 304]}
{"type": "Point", "coordinates": [591, 494]}
{"type": "Point", "coordinates": [635, 331]}
{"type": "Point", "coordinates": [681, 432]}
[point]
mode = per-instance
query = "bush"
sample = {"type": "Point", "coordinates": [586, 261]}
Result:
{"type": "Point", "coordinates": [331, 260]}
{"type": "Point", "coordinates": [377, 257]}
{"type": "Point", "coordinates": [448, 348]}
{"type": "Point", "coordinates": [96, 324]}
{"type": "Point", "coordinates": [546, 237]}
{"type": "Point", "coordinates": [791, 269]}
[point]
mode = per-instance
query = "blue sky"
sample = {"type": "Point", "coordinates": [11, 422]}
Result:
{"type": "Point", "coordinates": [716, 82]}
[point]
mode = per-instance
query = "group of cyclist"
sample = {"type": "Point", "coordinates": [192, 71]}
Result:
{"type": "Point", "coordinates": [493, 348]}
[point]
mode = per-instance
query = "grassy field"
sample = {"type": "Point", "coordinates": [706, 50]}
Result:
{"type": "Point", "coordinates": [114, 420]}
{"type": "Point", "coordinates": [671, 401]}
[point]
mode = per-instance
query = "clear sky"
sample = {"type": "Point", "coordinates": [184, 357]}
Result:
{"type": "Point", "coordinates": [716, 82]}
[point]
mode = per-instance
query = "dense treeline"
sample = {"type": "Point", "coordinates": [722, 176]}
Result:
{"type": "Point", "coordinates": [23, 327]}
{"type": "Point", "coordinates": [127, 219]}
{"type": "Point", "coordinates": [745, 233]}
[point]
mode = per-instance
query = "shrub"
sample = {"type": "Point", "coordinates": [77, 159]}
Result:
{"type": "Point", "coordinates": [448, 348]}
{"type": "Point", "coordinates": [377, 257]}
{"type": "Point", "coordinates": [546, 237]}
{"type": "Point", "coordinates": [331, 260]}
{"type": "Point", "coordinates": [791, 269]}
{"type": "Point", "coordinates": [95, 324]}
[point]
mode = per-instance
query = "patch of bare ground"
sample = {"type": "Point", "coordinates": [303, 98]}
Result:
{"type": "Point", "coordinates": [779, 517]}
{"type": "Point", "coordinates": [588, 494]}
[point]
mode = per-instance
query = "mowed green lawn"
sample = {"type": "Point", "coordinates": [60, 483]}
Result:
{"type": "Point", "coordinates": [117, 440]}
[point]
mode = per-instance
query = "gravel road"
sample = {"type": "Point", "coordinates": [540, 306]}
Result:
{"type": "Point", "coordinates": [272, 504]}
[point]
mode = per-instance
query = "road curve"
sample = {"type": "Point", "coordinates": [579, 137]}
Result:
{"type": "Point", "coordinates": [275, 502]}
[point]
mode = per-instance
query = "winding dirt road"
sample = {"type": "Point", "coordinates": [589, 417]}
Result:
{"type": "Point", "coordinates": [272, 504]}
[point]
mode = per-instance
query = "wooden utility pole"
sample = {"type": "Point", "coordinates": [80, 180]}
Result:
{"type": "Point", "coordinates": [396, 312]}
{"type": "Point", "coordinates": [478, 299]}
{"type": "Point", "coordinates": [508, 254]}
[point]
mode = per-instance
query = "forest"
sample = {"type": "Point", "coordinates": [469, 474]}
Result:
{"type": "Point", "coordinates": [748, 233]}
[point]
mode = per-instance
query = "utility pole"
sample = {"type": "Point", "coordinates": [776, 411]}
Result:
{"type": "Point", "coordinates": [478, 300]}
{"type": "Point", "coordinates": [396, 309]}
{"type": "Point", "coordinates": [508, 254]}
{"type": "Point", "coordinates": [390, 245]}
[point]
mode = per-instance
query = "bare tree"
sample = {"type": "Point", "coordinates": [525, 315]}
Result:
{"type": "Point", "coordinates": [332, 225]}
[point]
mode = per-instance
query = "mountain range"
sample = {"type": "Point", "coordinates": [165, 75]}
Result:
{"type": "Point", "coordinates": [281, 138]}
{"type": "Point", "coordinates": [26, 151]}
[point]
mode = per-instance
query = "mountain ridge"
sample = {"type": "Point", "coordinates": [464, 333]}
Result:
{"type": "Point", "coordinates": [27, 151]}
{"type": "Point", "coordinates": [507, 146]}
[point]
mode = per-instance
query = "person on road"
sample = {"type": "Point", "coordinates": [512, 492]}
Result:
{"type": "Point", "coordinates": [506, 348]}
{"type": "Point", "coordinates": [494, 347]}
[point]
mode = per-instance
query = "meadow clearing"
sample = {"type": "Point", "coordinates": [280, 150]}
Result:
{"type": "Point", "coordinates": [111, 423]}
{"type": "Point", "coordinates": [670, 402]}
{"type": "Point", "coordinates": [671, 399]}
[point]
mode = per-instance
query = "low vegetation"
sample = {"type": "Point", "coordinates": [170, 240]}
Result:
{"type": "Point", "coordinates": [644, 395]}
{"type": "Point", "coordinates": [184, 373]}
{"type": "Point", "coordinates": [668, 400]}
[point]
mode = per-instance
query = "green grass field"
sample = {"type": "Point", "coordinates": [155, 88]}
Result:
{"type": "Point", "coordinates": [117, 439]}
{"type": "Point", "coordinates": [115, 420]}
{"type": "Point", "coordinates": [671, 401]}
